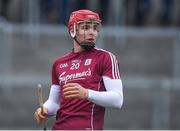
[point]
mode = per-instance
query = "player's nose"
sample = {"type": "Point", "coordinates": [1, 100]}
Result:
{"type": "Point", "coordinates": [91, 31]}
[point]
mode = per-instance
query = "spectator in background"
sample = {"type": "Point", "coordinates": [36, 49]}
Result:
{"type": "Point", "coordinates": [3, 10]}
{"type": "Point", "coordinates": [175, 13]}
{"type": "Point", "coordinates": [103, 9]}
{"type": "Point", "coordinates": [142, 12]}
{"type": "Point", "coordinates": [57, 11]}
{"type": "Point", "coordinates": [11, 10]}
{"type": "Point", "coordinates": [130, 10]}
{"type": "Point", "coordinates": [167, 12]}
{"type": "Point", "coordinates": [49, 10]}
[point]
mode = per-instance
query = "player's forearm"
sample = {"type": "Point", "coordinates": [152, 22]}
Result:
{"type": "Point", "coordinates": [112, 97]}
{"type": "Point", "coordinates": [106, 98]}
{"type": "Point", "coordinates": [52, 104]}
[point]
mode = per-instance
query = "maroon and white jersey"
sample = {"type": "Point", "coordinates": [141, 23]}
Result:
{"type": "Point", "coordinates": [87, 69]}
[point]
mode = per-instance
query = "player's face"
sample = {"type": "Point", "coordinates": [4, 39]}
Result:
{"type": "Point", "coordinates": [88, 32]}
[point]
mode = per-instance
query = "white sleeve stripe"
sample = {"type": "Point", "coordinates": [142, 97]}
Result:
{"type": "Point", "coordinates": [115, 68]}
{"type": "Point", "coordinates": [115, 64]}
{"type": "Point", "coordinates": [112, 66]}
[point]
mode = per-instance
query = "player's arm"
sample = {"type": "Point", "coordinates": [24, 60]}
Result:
{"type": "Point", "coordinates": [112, 97]}
{"type": "Point", "coordinates": [50, 107]}
{"type": "Point", "coordinates": [52, 104]}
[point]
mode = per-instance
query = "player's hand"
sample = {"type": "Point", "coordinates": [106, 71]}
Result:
{"type": "Point", "coordinates": [75, 90]}
{"type": "Point", "coordinates": [41, 116]}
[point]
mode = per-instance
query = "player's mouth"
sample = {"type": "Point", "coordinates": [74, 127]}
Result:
{"type": "Point", "coordinates": [91, 40]}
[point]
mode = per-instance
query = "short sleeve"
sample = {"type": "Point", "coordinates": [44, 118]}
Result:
{"type": "Point", "coordinates": [54, 76]}
{"type": "Point", "coordinates": [110, 66]}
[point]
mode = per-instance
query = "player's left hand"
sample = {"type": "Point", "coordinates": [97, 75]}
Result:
{"type": "Point", "coordinates": [75, 90]}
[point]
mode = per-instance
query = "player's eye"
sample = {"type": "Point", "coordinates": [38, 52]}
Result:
{"type": "Point", "coordinates": [96, 27]}
{"type": "Point", "coordinates": [86, 27]}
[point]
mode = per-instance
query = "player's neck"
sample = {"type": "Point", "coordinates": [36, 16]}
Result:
{"type": "Point", "coordinates": [77, 48]}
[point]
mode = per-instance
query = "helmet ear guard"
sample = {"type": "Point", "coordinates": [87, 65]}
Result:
{"type": "Point", "coordinates": [73, 31]}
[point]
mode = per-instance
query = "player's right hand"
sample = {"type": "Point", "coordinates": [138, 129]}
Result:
{"type": "Point", "coordinates": [41, 116]}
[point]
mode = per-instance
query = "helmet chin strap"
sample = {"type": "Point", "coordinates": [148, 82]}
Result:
{"type": "Point", "coordinates": [85, 45]}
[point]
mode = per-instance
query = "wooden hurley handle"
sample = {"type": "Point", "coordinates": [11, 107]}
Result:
{"type": "Point", "coordinates": [40, 99]}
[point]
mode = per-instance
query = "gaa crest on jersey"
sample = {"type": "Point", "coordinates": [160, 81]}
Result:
{"type": "Point", "coordinates": [88, 62]}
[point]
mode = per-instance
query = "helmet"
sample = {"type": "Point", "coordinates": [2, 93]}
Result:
{"type": "Point", "coordinates": [79, 16]}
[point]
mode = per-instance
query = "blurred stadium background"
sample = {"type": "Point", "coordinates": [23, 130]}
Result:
{"type": "Point", "coordinates": [143, 34]}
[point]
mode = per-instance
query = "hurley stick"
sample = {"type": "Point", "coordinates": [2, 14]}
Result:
{"type": "Point", "coordinates": [40, 98]}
